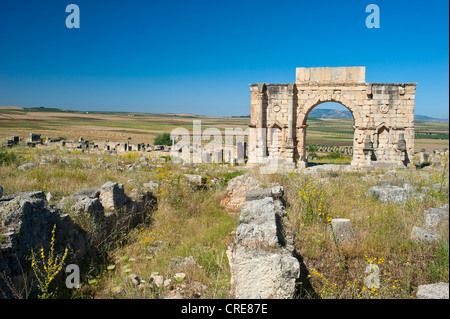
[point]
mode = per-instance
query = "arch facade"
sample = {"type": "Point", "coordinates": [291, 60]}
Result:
{"type": "Point", "coordinates": [383, 115]}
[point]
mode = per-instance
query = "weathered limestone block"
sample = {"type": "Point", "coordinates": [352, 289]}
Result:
{"type": "Point", "coordinates": [257, 224]}
{"type": "Point", "coordinates": [195, 180]}
{"type": "Point", "coordinates": [236, 191]}
{"type": "Point", "coordinates": [112, 196]}
{"type": "Point", "coordinates": [258, 274]}
{"type": "Point", "coordinates": [343, 229]}
{"type": "Point", "coordinates": [389, 193]}
{"type": "Point", "coordinates": [435, 216]}
{"type": "Point", "coordinates": [218, 156]}
{"type": "Point", "coordinates": [152, 185]}
{"type": "Point", "coordinates": [79, 203]}
{"type": "Point", "coordinates": [424, 235]}
{"type": "Point", "coordinates": [275, 192]}
{"type": "Point", "coordinates": [433, 291]}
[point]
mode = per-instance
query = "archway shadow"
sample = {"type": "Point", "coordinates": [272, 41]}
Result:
{"type": "Point", "coordinates": [321, 164]}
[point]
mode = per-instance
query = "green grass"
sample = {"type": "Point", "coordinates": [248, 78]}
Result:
{"type": "Point", "coordinates": [438, 136]}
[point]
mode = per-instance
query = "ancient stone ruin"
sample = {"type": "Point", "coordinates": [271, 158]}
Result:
{"type": "Point", "coordinates": [383, 115]}
{"type": "Point", "coordinates": [262, 256]}
{"type": "Point", "coordinates": [27, 219]}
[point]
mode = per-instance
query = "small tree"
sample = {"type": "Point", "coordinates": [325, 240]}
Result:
{"type": "Point", "coordinates": [163, 139]}
{"type": "Point", "coordinates": [312, 149]}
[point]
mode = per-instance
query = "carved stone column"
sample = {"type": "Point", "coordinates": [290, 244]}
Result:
{"type": "Point", "coordinates": [290, 139]}
{"type": "Point", "coordinates": [290, 129]}
{"type": "Point", "coordinates": [359, 137]}
{"type": "Point", "coordinates": [368, 150]}
{"type": "Point", "coordinates": [261, 142]}
{"type": "Point", "coordinates": [301, 147]}
{"type": "Point", "coordinates": [402, 154]}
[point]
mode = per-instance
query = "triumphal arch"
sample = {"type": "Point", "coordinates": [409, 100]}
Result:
{"type": "Point", "coordinates": [383, 116]}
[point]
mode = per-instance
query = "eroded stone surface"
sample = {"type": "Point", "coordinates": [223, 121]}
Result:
{"type": "Point", "coordinates": [261, 257]}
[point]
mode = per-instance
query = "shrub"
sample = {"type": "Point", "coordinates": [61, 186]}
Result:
{"type": "Point", "coordinates": [312, 200]}
{"type": "Point", "coordinates": [130, 157]}
{"type": "Point", "coordinates": [163, 139]}
{"type": "Point", "coordinates": [336, 154]}
{"type": "Point", "coordinates": [7, 158]}
{"type": "Point", "coordinates": [228, 176]}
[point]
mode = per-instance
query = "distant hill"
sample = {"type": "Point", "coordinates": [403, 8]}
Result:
{"type": "Point", "coordinates": [329, 113]}
{"type": "Point", "coordinates": [423, 118]}
{"type": "Point", "coordinates": [317, 113]}
{"type": "Point", "coordinates": [345, 114]}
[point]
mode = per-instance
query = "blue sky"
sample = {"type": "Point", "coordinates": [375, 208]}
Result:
{"type": "Point", "coordinates": [200, 56]}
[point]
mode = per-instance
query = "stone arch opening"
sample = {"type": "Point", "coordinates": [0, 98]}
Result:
{"type": "Point", "coordinates": [318, 98]}
{"type": "Point", "coordinates": [317, 129]}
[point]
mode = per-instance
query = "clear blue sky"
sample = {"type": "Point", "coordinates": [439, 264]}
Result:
{"type": "Point", "coordinates": [199, 56]}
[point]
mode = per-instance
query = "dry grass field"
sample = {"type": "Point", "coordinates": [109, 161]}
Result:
{"type": "Point", "coordinates": [140, 127]}
{"type": "Point", "coordinates": [143, 127]}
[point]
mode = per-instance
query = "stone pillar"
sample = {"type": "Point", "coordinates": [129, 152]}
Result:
{"type": "Point", "coordinates": [253, 149]}
{"type": "Point", "coordinates": [206, 157]}
{"type": "Point", "coordinates": [423, 157]}
{"type": "Point", "coordinates": [227, 155]}
{"type": "Point", "coordinates": [241, 148]}
{"type": "Point", "coordinates": [359, 138]}
{"type": "Point", "coordinates": [402, 155]}
{"type": "Point", "coordinates": [289, 149]}
{"type": "Point", "coordinates": [290, 138]}
{"type": "Point", "coordinates": [261, 141]}
{"type": "Point", "coordinates": [301, 146]}
{"type": "Point", "coordinates": [218, 156]}
{"type": "Point", "coordinates": [409, 138]}
{"type": "Point", "coordinates": [368, 150]}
